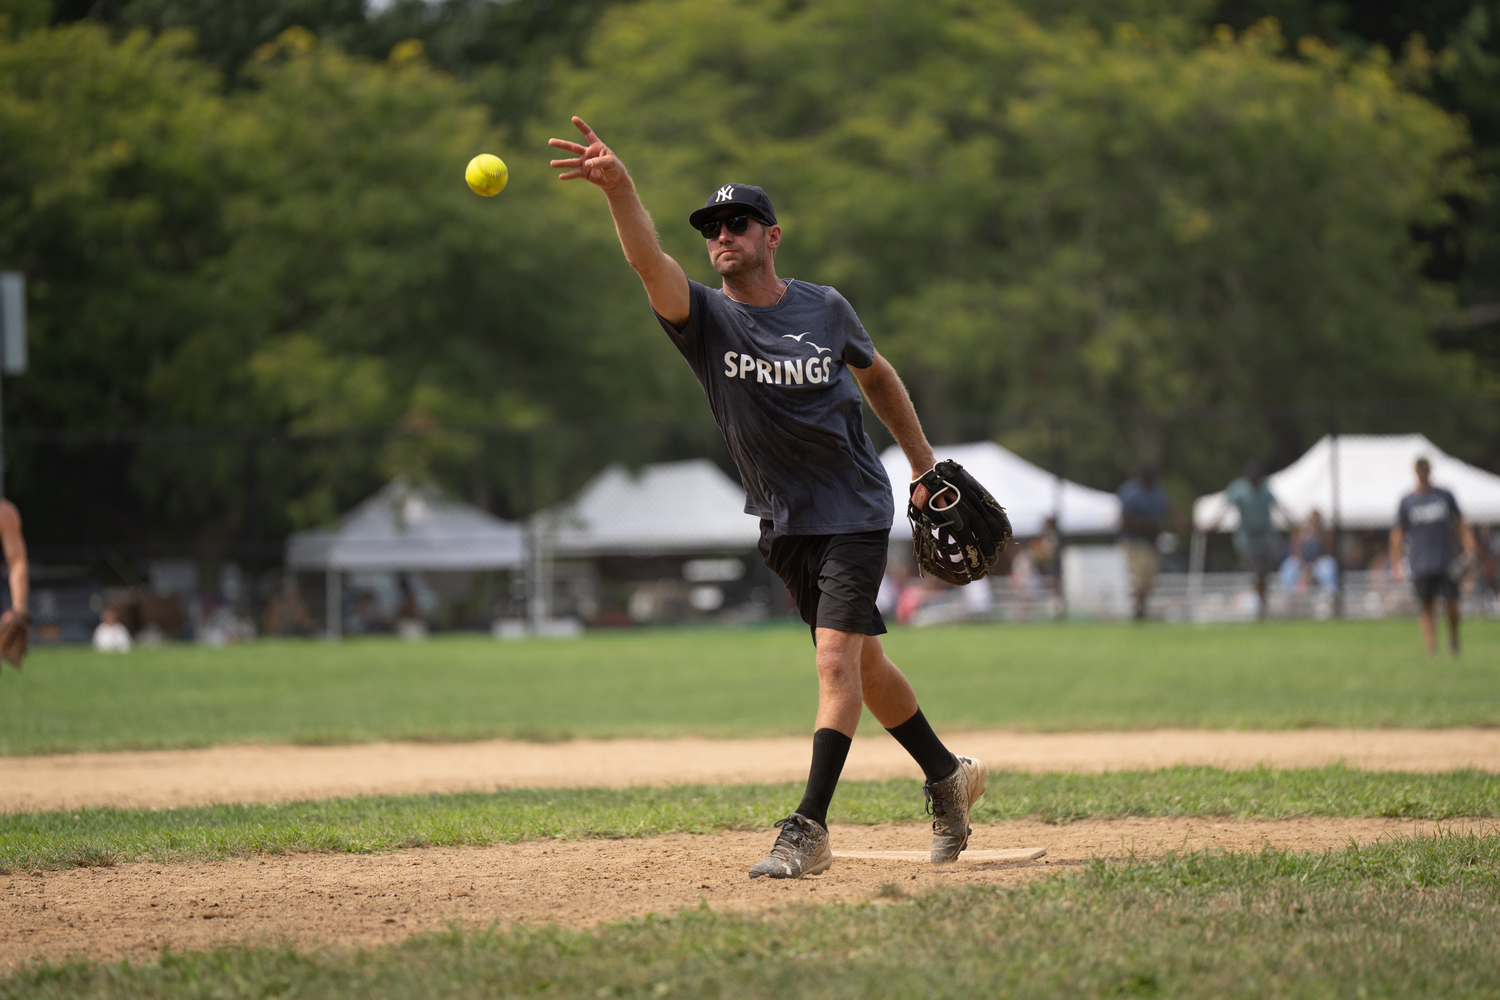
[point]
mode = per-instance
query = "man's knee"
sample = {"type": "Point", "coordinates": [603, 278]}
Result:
{"type": "Point", "coordinates": [872, 653]}
{"type": "Point", "coordinates": [839, 654]}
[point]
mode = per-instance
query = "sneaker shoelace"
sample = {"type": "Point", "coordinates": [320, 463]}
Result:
{"type": "Point", "coordinates": [793, 832]}
{"type": "Point", "coordinates": [931, 804]}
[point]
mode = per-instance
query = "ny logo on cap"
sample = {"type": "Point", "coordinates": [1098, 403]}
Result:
{"type": "Point", "coordinates": [725, 193]}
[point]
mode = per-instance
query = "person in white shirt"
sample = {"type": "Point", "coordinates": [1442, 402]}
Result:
{"type": "Point", "coordinates": [109, 635]}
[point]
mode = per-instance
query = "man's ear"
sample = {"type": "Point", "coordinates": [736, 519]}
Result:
{"type": "Point", "coordinates": [773, 237]}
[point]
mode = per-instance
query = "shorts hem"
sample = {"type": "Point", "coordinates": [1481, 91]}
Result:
{"type": "Point", "coordinates": [868, 628]}
{"type": "Point", "coordinates": [834, 529]}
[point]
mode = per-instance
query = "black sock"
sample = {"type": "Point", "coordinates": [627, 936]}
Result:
{"type": "Point", "coordinates": [830, 750]}
{"type": "Point", "coordinates": [925, 748]}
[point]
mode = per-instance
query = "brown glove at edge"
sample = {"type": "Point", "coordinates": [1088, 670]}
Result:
{"type": "Point", "coordinates": [15, 638]}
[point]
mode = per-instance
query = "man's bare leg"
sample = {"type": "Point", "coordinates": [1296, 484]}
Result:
{"type": "Point", "coordinates": [887, 692]}
{"type": "Point", "coordinates": [840, 696]}
{"type": "Point", "coordinates": [1429, 632]}
{"type": "Point", "coordinates": [854, 672]}
{"type": "Point", "coordinates": [802, 847]}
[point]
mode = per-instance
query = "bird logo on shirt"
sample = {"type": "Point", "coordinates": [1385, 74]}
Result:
{"type": "Point", "coordinates": [798, 339]}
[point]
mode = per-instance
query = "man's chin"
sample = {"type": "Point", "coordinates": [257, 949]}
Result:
{"type": "Point", "coordinates": [739, 264]}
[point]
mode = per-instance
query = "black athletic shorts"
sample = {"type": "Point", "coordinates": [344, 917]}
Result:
{"type": "Point", "coordinates": [1431, 587]}
{"type": "Point", "coordinates": [833, 578]}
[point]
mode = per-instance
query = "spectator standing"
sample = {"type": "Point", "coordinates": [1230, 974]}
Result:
{"type": "Point", "coordinates": [1255, 539]}
{"type": "Point", "coordinates": [1046, 551]}
{"type": "Point", "coordinates": [1143, 510]}
{"type": "Point", "coordinates": [1433, 530]}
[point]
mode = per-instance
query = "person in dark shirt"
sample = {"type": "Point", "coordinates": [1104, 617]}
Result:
{"type": "Point", "coordinates": [785, 366]}
{"type": "Point", "coordinates": [1144, 509]}
{"type": "Point", "coordinates": [1430, 525]}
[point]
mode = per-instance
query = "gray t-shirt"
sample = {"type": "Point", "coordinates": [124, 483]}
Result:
{"type": "Point", "coordinates": [1255, 503]}
{"type": "Point", "coordinates": [1428, 520]}
{"type": "Point", "coordinates": [778, 382]}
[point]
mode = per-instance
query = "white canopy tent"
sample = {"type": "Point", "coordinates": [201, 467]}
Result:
{"type": "Point", "coordinates": [1029, 493]}
{"type": "Point", "coordinates": [667, 508]}
{"type": "Point", "coordinates": [1357, 481]}
{"type": "Point", "coordinates": [406, 527]}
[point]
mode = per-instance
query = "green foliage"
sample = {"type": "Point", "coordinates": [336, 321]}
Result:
{"type": "Point", "coordinates": [1410, 917]}
{"type": "Point", "coordinates": [1092, 208]}
{"type": "Point", "coordinates": [301, 253]}
{"type": "Point", "coordinates": [739, 682]}
{"type": "Point", "coordinates": [1032, 219]}
{"type": "Point", "coordinates": [1454, 54]}
{"type": "Point", "coordinates": [227, 34]}
{"type": "Point", "coordinates": [109, 200]}
{"type": "Point", "coordinates": [505, 51]}
{"type": "Point", "coordinates": [86, 837]}
{"type": "Point", "coordinates": [23, 15]}
{"type": "Point", "coordinates": [509, 53]}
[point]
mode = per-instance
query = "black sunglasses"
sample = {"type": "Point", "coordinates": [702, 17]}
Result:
{"type": "Point", "coordinates": [737, 224]}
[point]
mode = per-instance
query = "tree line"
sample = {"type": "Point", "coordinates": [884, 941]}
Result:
{"type": "Point", "coordinates": [1085, 220]}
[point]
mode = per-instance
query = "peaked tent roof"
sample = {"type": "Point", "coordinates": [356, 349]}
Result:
{"type": "Point", "coordinates": [405, 527]}
{"type": "Point", "coordinates": [1374, 473]}
{"type": "Point", "coordinates": [1029, 493]}
{"type": "Point", "coordinates": [670, 507]}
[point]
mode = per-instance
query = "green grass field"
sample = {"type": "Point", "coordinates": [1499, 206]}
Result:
{"type": "Point", "coordinates": [755, 681]}
{"type": "Point", "coordinates": [1409, 918]}
{"type": "Point", "coordinates": [93, 837]}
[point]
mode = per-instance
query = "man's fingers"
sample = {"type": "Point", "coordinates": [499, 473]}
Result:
{"type": "Point", "coordinates": [568, 145]}
{"type": "Point", "coordinates": [583, 127]}
{"type": "Point", "coordinates": [566, 164]}
{"type": "Point", "coordinates": [570, 175]}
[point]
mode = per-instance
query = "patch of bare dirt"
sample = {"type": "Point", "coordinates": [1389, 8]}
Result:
{"type": "Point", "coordinates": [283, 773]}
{"type": "Point", "coordinates": [133, 911]}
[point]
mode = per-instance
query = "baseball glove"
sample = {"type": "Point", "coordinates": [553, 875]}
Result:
{"type": "Point", "coordinates": [957, 529]}
{"type": "Point", "coordinates": [15, 631]}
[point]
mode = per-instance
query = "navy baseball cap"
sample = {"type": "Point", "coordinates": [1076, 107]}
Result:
{"type": "Point", "coordinates": [747, 196]}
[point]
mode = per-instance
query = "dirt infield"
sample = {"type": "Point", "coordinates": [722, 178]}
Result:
{"type": "Point", "coordinates": [281, 773]}
{"type": "Point", "coordinates": [132, 911]}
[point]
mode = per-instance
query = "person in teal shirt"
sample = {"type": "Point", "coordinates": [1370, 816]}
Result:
{"type": "Point", "coordinates": [1255, 539]}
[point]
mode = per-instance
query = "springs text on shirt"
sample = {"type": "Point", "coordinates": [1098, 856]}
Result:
{"type": "Point", "coordinates": [743, 365]}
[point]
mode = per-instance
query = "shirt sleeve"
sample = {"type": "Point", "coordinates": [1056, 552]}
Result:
{"type": "Point", "coordinates": [687, 338]}
{"type": "Point", "coordinates": [859, 350]}
{"type": "Point", "coordinates": [1454, 512]}
{"type": "Point", "coordinates": [1403, 514]}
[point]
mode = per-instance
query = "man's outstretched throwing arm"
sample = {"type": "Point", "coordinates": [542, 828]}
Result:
{"type": "Point", "coordinates": [666, 283]}
{"type": "Point", "coordinates": [888, 397]}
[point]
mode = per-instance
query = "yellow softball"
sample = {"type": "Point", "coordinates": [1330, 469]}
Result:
{"type": "Point", "coordinates": [487, 175]}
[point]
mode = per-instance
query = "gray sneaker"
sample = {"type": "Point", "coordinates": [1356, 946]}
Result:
{"type": "Point", "coordinates": [801, 849]}
{"type": "Point", "coordinates": [949, 802]}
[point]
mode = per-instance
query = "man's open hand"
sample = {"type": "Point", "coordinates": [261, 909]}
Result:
{"type": "Point", "coordinates": [595, 163]}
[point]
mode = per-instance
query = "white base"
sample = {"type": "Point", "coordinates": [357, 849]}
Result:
{"type": "Point", "coordinates": [1015, 854]}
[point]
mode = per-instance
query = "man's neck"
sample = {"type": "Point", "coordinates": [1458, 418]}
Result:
{"type": "Point", "coordinates": [763, 289]}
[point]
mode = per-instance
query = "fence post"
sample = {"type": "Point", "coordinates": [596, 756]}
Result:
{"type": "Point", "coordinates": [1197, 555]}
{"type": "Point", "coordinates": [334, 595]}
{"type": "Point", "coordinates": [1336, 513]}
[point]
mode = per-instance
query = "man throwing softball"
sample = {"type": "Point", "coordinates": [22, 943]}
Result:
{"type": "Point", "coordinates": [783, 363]}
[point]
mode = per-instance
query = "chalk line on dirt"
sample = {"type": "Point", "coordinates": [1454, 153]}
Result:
{"type": "Point", "coordinates": [262, 773]}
